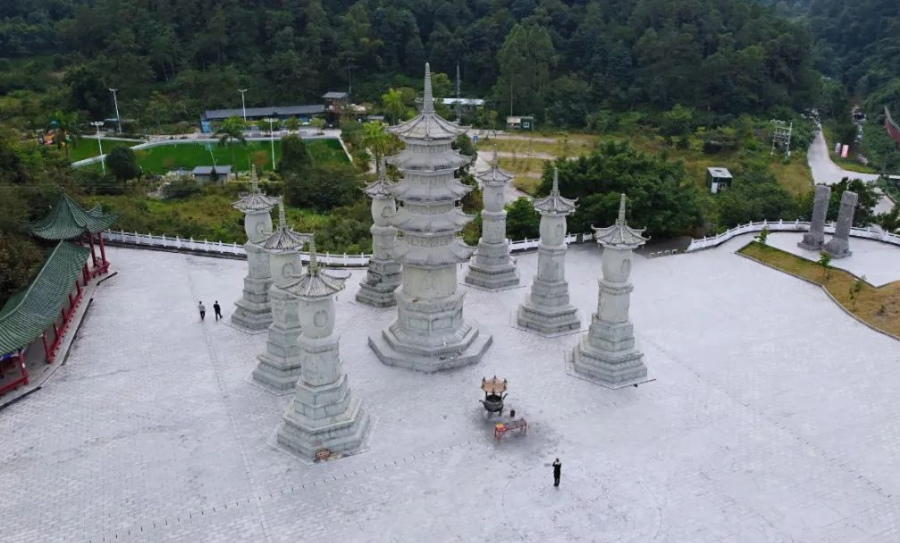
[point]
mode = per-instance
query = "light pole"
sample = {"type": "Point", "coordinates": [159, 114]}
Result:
{"type": "Point", "coordinates": [272, 121]}
{"type": "Point", "coordinates": [243, 104]}
{"type": "Point", "coordinates": [98, 124]}
{"type": "Point", "coordinates": [116, 102]}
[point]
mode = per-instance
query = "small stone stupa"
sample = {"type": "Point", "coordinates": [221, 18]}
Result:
{"type": "Point", "coordinates": [323, 414]}
{"type": "Point", "coordinates": [430, 333]}
{"type": "Point", "coordinates": [491, 267]}
{"type": "Point", "coordinates": [546, 309]}
{"type": "Point", "coordinates": [253, 310]}
{"type": "Point", "coordinates": [383, 274]}
{"type": "Point", "coordinates": [279, 367]}
{"type": "Point", "coordinates": [839, 244]}
{"type": "Point", "coordinates": [815, 238]}
{"type": "Point", "coordinates": [607, 354]}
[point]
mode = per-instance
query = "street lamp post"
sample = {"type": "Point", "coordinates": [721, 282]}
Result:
{"type": "Point", "coordinates": [116, 102]}
{"type": "Point", "coordinates": [98, 124]}
{"type": "Point", "coordinates": [243, 104]}
{"type": "Point", "coordinates": [272, 121]}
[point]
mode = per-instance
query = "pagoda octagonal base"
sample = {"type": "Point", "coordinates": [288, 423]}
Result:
{"type": "Point", "coordinates": [492, 278]}
{"type": "Point", "coordinates": [382, 279]}
{"type": "Point", "coordinates": [253, 311]}
{"type": "Point", "coordinates": [548, 321]}
{"type": "Point", "coordinates": [324, 417]}
{"type": "Point", "coordinates": [392, 352]}
{"type": "Point", "coordinates": [279, 367]}
{"type": "Point", "coordinates": [606, 355]}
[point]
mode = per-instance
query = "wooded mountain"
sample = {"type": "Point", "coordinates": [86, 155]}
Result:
{"type": "Point", "coordinates": [173, 58]}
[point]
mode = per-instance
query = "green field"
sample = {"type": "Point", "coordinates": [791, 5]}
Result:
{"type": "Point", "coordinates": [87, 148]}
{"type": "Point", "coordinates": [161, 159]}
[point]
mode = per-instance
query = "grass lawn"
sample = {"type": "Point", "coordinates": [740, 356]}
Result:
{"type": "Point", "coordinates": [879, 307]}
{"type": "Point", "coordinates": [795, 175]}
{"type": "Point", "coordinates": [87, 148]}
{"type": "Point", "coordinates": [161, 159]}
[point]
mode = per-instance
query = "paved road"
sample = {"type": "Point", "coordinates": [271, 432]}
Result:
{"type": "Point", "coordinates": [826, 172]}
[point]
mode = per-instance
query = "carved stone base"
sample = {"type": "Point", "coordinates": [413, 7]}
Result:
{"type": "Point", "coordinates": [607, 355]}
{"type": "Point", "coordinates": [323, 417]}
{"type": "Point", "coordinates": [382, 279]}
{"type": "Point", "coordinates": [253, 311]}
{"type": "Point", "coordinates": [279, 367]}
{"type": "Point", "coordinates": [547, 310]}
{"type": "Point", "coordinates": [430, 335]}
{"type": "Point", "coordinates": [811, 242]}
{"type": "Point", "coordinates": [838, 248]}
{"type": "Point", "coordinates": [492, 268]}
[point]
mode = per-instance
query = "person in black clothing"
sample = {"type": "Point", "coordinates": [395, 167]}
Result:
{"type": "Point", "coordinates": [557, 469]}
{"type": "Point", "coordinates": [218, 309]}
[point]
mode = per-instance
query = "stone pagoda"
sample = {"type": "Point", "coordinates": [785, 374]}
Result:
{"type": "Point", "coordinates": [429, 333]}
{"type": "Point", "coordinates": [253, 311]}
{"type": "Point", "coordinates": [383, 275]}
{"type": "Point", "coordinates": [492, 268]}
{"type": "Point", "coordinates": [546, 309]}
{"type": "Point", "coordinates": [323, 414]}
{"type": "Point", "coordinates": [606, 354]}
{"type": "Point", "coordinates": [279, 367]}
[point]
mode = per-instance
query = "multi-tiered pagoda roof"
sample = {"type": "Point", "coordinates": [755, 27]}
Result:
{"type": "Point", "coordinates": [255, 200]}
{"type": "Point", "coordinates": [315, 282]}
{"type": "Point", "coordinates": [620, 234]}
{"type": "Point", "coordinates": [555, 204]}
{"type": "Point", "coordinates": [68, 220]}
{"type": "Point", "coordinates": [284, 239]}
{"type": "Point", "coordinates": [495, 176]}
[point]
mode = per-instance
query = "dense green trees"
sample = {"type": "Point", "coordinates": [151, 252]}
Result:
{"type": "Point", "coordinates": [660, 198]}
{"type": "Point", "coordinates": [560, 59]}
{"type": "Point", "coordinates": [122, 163]}
{"type": "Point", "coordinates": [295, 157]}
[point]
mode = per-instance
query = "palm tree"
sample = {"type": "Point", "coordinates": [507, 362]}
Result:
{"type": "Point", "coordinates": [232, 129]}
{"type": "Point", "coordinates": [393, 105]}
{"type": "Point", "coordinates": [65, 126]}
{"type": "Point", "coordinates": [375, 135]}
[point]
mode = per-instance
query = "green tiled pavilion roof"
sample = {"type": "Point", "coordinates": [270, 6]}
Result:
{"type": "Point", "coordinates": [27, 314]}
{"type": "Point", "coordinates": [67, 220]}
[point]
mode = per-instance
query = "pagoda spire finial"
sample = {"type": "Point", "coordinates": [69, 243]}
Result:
{"type": "Point", "coordinates": [382, 169]}
{"type": "Point", "coordinates": [282, 221]}
{"type": "Point", "coordinates": [313, 260]}
{"type": "Point", "coordinates": [254, 180]}
{"type": "Point", "coordinates": [428, 105]}
{"type": "Point", "coordinates": [496, 162]}
{"type": "Point", "coordinates": [621, 210]}
{"type": "Point", "coordinates": [555, 189]}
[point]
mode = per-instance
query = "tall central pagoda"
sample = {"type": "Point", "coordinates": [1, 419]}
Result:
{"type": "Point", "coordinates": [429, 333]}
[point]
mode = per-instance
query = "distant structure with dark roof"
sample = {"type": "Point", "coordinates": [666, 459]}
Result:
{"type": "Point", "coordinates": [258, 113]}
{"type": "Point", "coordinates": [204, 174]}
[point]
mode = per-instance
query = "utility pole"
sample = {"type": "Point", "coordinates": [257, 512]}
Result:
{"type": "Point", "coordinates": [98, 124]}
{"type": "Point", "coordinates": [243, 104]}
{"type": "Point", "coordinates": [272, 121]}
{"type": "Point", "coordinates": [116, 102]}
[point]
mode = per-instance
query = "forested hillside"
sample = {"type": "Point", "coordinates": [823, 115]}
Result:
{"type": "Point", "coordinates": [557, 59]}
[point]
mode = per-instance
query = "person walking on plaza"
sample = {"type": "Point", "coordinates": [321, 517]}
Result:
{"type": "Point", "coordinates": [557, 469]}
{"type": "Point", "coordinates": [218, 310]}
{"type": "Point", "coordinates": [202, 309]}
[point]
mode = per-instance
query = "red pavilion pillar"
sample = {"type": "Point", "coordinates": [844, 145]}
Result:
{"type": "Point", "coordinates": [93, 253]}
{"type": "Point", "coordinates": [102, 249]}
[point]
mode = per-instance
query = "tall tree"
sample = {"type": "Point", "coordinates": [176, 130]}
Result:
{"type": "Point", "coordinates": [231, 130]}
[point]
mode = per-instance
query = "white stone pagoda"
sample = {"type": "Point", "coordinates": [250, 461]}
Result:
{"type": "Point", "coordinates": [607, 354]}
{"type": "Point", "coordinates": [429, 333]}
{"type": "Point", "coordinates": [279, 367]}
{"type": "Point", "coordinates": [383, 274]}
{"type": "Point", "coordinates": [253, 310]}
{"type": "Point", "coordinates": [546, 308]}
{"type": "Point", "coordinates": [491, 267]}
{"type": "Point", "coordinates": [323, 414]}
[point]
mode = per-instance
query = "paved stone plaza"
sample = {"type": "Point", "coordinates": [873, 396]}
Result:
{"type": "Point", "coordinates": [879, 262]}
{"type": "Point", "coordinates": [774, 417]}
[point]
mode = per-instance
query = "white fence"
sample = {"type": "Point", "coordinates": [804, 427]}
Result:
{"type": "Point", "coordinates": [214, 248]}
{"type": "Point", "coordinates": [790, 226]}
